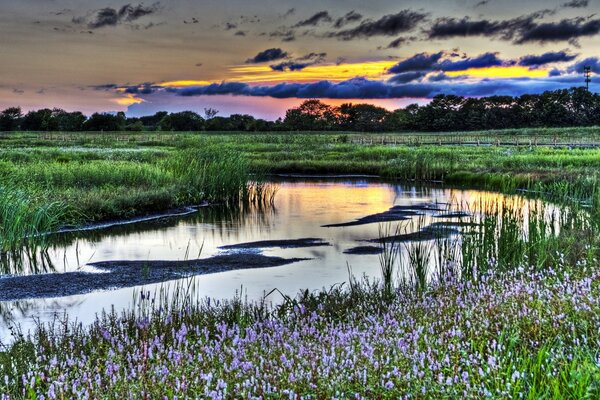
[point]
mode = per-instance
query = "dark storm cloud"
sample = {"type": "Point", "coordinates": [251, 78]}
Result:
{"type": "Point", "coordinates": [131, 13]}
{"type": "Point", "coordinates": [286, 35]}
{"type": "Point", "coordinates": [482, 61]}
{"type": "Point", "coordinates": [144, 88]}
{"type": "Point", "coordinates": [546, 58]}
{"type": "Point", "coordinates": [406, 77]}
{"type": "Point", "coordinates": [104, 86]}
{"type": "Point", "coordinates": [268, 55]}
{"type": "Point", "coordinates": [388, 25]}
{"type": "Point", "coordinates": [317, 57]}
{"type": "Point", "coordinates": [361, 88]}
{"type": "Point", "coordinates": [357, 88]}
{"type": "Point", "coordinates": [418, 62]}
{"type": "Point", "coordinates": [564, 30]}
{"type": "Point", "coordinates": [289, 66]}
{"type": "Point", "coordinates": [300, 62]}
{"type": "Point", "coordinates": [401, 41]}
{"type": "Point", "coordinates": [350, 17]}
{"type": "Point", "coordinates": [104, 17]}
{"type": "Point", "coordinates": [521, 30]}
{"type": "Point", "coordinates": [576, 4]}
{"type": "Point", "coordinates": [112, 17]}
{"type": "Point", "coordinates": [321, 16]}
{"type": "Point", "coordinates": [592, 62]}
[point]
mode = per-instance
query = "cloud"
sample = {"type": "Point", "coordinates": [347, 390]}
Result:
{"type": "Point", "coordinates": [317, 57]}
{"type": "Point", "coordinates": [240, 33]}
{"type": "Point", "coordinates": [350, 17]}
{"type": "Point", "coordinates": [286, 35]}
{"type": "Point", "coordinates": [482, 61]}
{"type": "Point", "coordinates": [481, 3]}
{"type": "Point", "coordinates": [388, 25]}
{"type": "Point", "coordinates": [418, 62]}
{"type": "Point", "coordinates": [144, 88]}
{"type": "Point", "coordinates": [357, 88]}
{"type": "Point", "coordinates": [300, 62]}
{"type": "Point", "coordinates": [322, 16]}
{"type": "Point", "coordinates": [564, 30]}
{"type": "Point", "coordinates": [406, 77]}
{"type": "Point", "coordinates": [546, 58]}
{"type": "Point", "coordinates": [229, 26]}
{"type": "Point", "coordinates": [268, 55]}
{"type": "Point", "coordinates": [112, 17]}
{"type": "Point", "coordinates": [576, 4]}
{"type": "Point", "coordinates": [592, 62]}
{"type": "Point", "coordinates": [521, 30]}
{"type": "Point", "coordinates": [289, 12]}
{"type": "Point", "coordinates": [399, 42]}
{"type": "Point", "coordinates": [289, 66]}
{"type": "Point", "coordinates": [361, 88]}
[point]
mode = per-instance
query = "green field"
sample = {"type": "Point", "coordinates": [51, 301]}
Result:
{"type": "Point", "coordinates": [102, 176]}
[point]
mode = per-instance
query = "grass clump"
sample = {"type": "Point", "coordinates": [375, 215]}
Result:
{"type": "Point", "coordinates": [25, 219]}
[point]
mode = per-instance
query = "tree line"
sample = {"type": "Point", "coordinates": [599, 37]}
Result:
{"type": "Point", "coordinates": [558, 108]}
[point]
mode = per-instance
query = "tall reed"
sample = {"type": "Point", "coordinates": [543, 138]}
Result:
{"type": "Point", "coordinates": [25, 220]}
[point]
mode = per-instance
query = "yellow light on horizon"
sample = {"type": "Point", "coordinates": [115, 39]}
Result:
{"type": "Point", "coordinates": [183, 83]}
{"type": "Point", "coordinates": [514, 71]}
{"type": "Point", "coordinates": [329, 72]}
{"type": "Point", "coordinates": [128, 100]}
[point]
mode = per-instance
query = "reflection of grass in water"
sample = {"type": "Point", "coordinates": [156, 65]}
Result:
{"type": "Point", "coordinates": [493, 237]}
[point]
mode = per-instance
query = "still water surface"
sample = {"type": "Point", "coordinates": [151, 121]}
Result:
{"type": "Point", "coordinates": [301, 207]}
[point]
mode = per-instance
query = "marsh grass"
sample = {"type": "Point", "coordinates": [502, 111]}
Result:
{"type": "Point", "coordinates": [25, 220]}
{"type": "Point", "coordinates": [389, 257]}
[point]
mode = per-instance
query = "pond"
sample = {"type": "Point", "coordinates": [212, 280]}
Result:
{"type": "Point", "coordinates": [334, 218]}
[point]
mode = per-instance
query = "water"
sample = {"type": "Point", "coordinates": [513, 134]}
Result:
{"type": "Point", "coordinates": [300, 209]}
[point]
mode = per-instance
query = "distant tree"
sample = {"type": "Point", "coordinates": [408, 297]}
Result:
{"type": "Point", "coordinates": [10, 119]}
{"type": "Point", "coordinates": [363, 117]}
{"type": "Point", "coordinates": [182, 121]}
{"type": "Point", "coordinates": [40, 120]}
{"type": "Point", "coordinates": [134, 125]}
{"type": "Point", "coordinates": [311, 115]}
{"type": "Point", "coordinates": [68, 121]}
{"type": "Point", "coordinates": [152, 122]}
{"type": "Point", "coordinates": [210, 113]}
{"type": "Point", "coordinates": [105, 122]}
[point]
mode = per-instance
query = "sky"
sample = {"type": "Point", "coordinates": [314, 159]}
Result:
{"type": "Point", "coordinates": [263, 57]}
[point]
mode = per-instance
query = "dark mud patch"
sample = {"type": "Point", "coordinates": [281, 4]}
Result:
{"type": "Point", "coordinates": [364, 250]}
{"type": "Point", "coordinates": [283, 244]}
{"type": "Point", "coordinates": [428, 233]}
{"type": "Point", "coordinates": [124, 274]}
{"type": "Point", "coordinates": [453, 224]}
{"type": "Point", "coordinates": [169, 214]}
{"type": "Point", "coordinates": [396, 213]}
{"type": "Point", "coordinates": [457, 214]}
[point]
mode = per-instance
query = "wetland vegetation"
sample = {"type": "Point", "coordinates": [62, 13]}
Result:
{"type": "Point", "coordinates": [495, 299]}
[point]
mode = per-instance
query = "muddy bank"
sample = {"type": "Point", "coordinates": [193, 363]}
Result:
{"type": "Point", "coordinates": [124, 274]}
{"type": "Point", "coordinates": [283, 244]}
{"type": "Point", "coordinates": [364, 250]}
{"type": "Point", "coordinates": [174, 213]}
{"type": "Point", "coordinates": [396, 213]}
{"type": "Point", "coordinates": [456, 214]}
{"type": "Point", "coordinates": [428, 233]}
